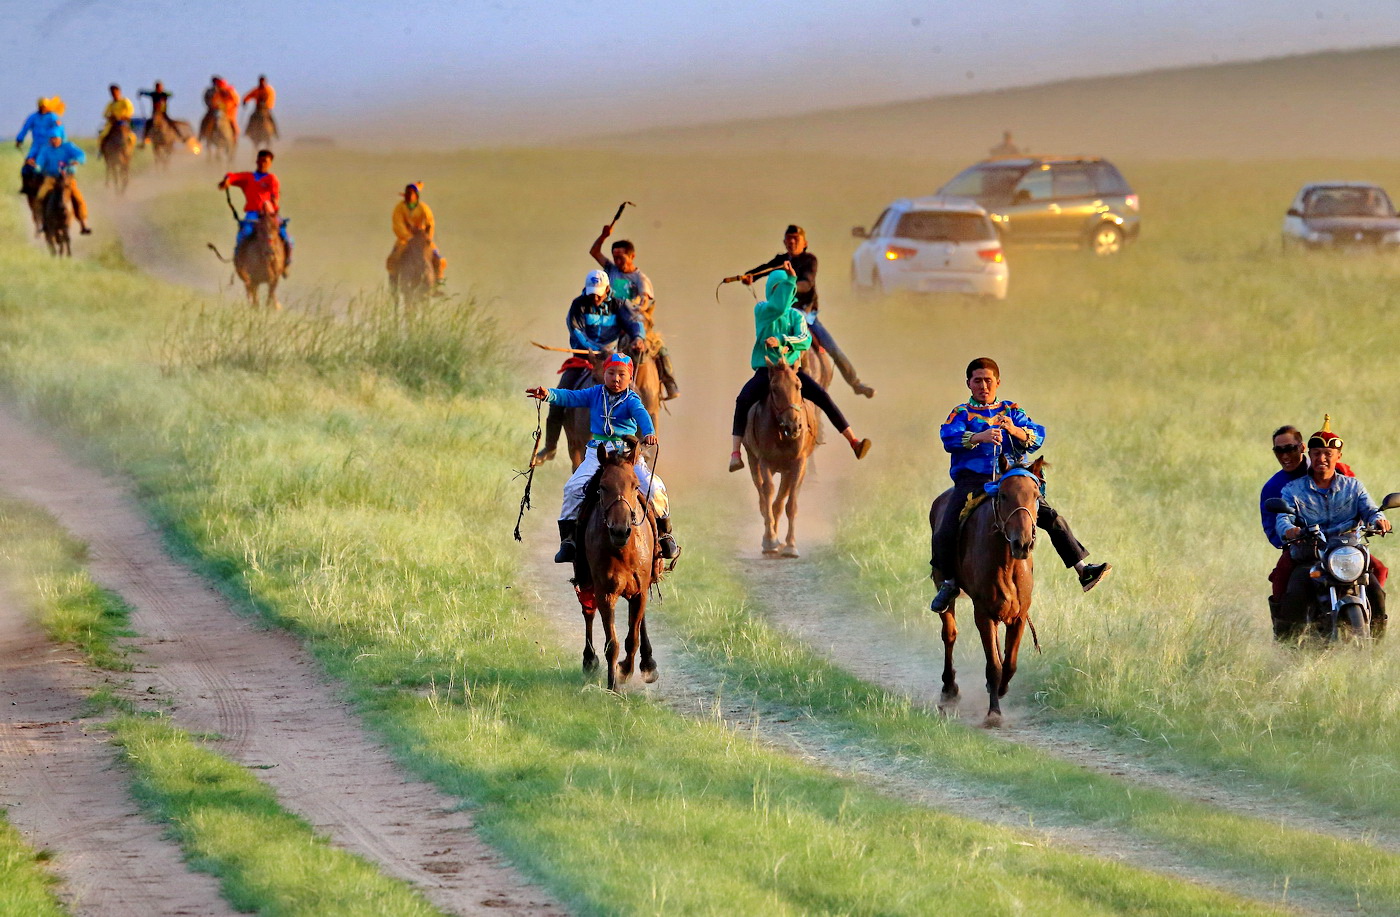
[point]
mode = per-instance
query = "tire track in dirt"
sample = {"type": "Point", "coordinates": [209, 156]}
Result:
{"type": "Point", "coordinates": [260, 692]}
{"type": "Point", "coordinates": [63, 790]}
{"type": "Point", "coordinates": [692, 688]}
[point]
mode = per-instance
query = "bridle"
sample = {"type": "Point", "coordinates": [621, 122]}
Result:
{"type": "Point", "coordinates": [635, 516]}
{"type": "Point", "coordinates": [779, 410]}
{"type": "Point", "coordinates": [1001, 523]}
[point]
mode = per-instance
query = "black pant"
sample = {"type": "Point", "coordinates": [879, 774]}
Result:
{"type": "Point", "coordinates": [1301, 594]}
{"type": "Point", "coordinates": [756, 389]}
{"type": "Point", "coordinates": [945, 537]}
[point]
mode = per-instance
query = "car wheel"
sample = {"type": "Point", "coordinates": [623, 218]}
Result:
{"type": "Point", "coordinates": [1106, 240]}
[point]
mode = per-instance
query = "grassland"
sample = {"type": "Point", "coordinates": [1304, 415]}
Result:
{"type": "Point", "coordinates": [338, 502]}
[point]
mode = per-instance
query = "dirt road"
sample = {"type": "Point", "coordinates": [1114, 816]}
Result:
{"type": "Point", "coordinates": [255, 688]}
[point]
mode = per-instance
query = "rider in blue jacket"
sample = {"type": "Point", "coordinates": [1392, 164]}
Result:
{"type": "Point", "coordinates": [973, 435]}
{"type": "Point", "coordinates": [615, 411]}
{"type": "Point", "coordinates": [61, 157]}
{"type": "Point", "coordinates": [41, 124]}
{"type": "Point", "coordinates": [597, 322]}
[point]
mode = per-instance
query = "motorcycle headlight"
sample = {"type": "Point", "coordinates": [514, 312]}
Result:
{"type": "Point", "coordinates": [1346, 564]}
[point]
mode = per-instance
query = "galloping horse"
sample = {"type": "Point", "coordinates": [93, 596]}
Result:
{"type": "Point", "coordinates": [29, 187]}
{"type": "Point", "coordinates": [259, 259]}
{"type": "Point", "coordinates": [779, 438]}
{"type": "Point", "coordinates": [262, 129]}
{"type": "Point", "coordinates": [116, 152]}
{"type": "Point", "coordinates": [57, 216]}
{"type": "Point", "coordinates": [164, 134]}
{"type": "Point", "coordinates": [995, 570]}
{"type": "Point", "coordinates": [217, 135]}
{"type": "Point", "coordinates": [414, 275]}
{"type": "Point", "coordinates": [617, 559]}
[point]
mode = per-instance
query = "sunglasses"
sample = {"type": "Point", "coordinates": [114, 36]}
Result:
{"type": "Point", "coordinates": [1287, 450]}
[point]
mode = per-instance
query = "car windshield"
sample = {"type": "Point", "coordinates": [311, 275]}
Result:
{"type": "Point", "coordinates": [1348, 202]}
{"type": "Point", "coordinates": [985, 182]}
{"type": "Point", "coordinates": [944, 226]}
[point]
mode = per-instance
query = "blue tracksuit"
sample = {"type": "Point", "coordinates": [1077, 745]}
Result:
{"type": "Point", "coordinates": [611, 417]}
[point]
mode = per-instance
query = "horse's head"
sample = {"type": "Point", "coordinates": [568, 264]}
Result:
{"type": "Point", "coordinates": [620, 498]}
{"type": "Point", "coordinates": [785, 400]}
{"type": "Point", "coordinates": [1017, 505]}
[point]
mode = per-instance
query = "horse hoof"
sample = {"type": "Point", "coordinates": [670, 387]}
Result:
{"type": "Point", "coordinates": [993, 720]}
{"type": "Point", "coordinates": [590, 665]}
{"type": "Point", "coordinates": [789, 550]}
{"type": "Point", "coordinates": [649, 675]}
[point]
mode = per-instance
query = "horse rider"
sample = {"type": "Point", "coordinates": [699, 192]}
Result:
{"type": "Point", "coordinates": [597, 322]}
{"type": "Point", "coordinates": [796, 253]}
{"type": "Point", "coordinates": [615, 411]}
{"type": "Point", "coordinates": [160, 111]}
{"type": "Point", "coordinates": [222, 96]}
{"type": "Point", "coordinates": [634, 288]}
{"type": "Point", "coordinates": [1293, 464]}
{"type": "Point", "coordinates": [264, 97]}
{"type": "Point", "coordinates": [782, 334]}
{"type": "Point", "coordinates": [261, 192]}
{"type": "Point", "coordinates": [412, 215]}
{"type": "Point", "coordinates": [42, 123]}
{"type": "Point", "coordinates": [59, 158]}
{"type": "Point", "coordinates": [118, 112]}
{"type": "Point", "coordinates": [1324, 497]}
{"type": "Point", "coordinates": [975, 434]}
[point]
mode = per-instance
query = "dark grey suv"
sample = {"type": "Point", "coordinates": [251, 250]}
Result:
{"type": "Point", "coordinates": [1058, 200]}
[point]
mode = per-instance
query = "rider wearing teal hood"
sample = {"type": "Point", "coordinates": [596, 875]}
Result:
{"type": "Point", "coordinates": [781, 335]}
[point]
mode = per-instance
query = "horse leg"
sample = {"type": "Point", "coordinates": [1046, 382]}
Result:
{"type": "Point", "coordinates": [272, 295]}
{"type": "Point", "coordinates": [763, 481]}
{"type": "Point", "coordinates": [648, 661]}
{"type": "Point", "coordinates": [590, 658]}
{"type": "Point", "coordinates": [607, 607]}
{"type": "Point", "coordinates": [1014, 632]}
{"type": "Point", "coordinates": [950, 638]}
{"type": "Point", "coordinates": [792, 482]}
{"type": "Point", "coordinates": [991, 647]}
{"type": "Point", "coordinates": [636, 609]}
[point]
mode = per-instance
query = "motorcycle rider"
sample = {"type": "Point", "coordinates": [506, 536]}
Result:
{"type": "Point", "coordinates": [1329, 499]}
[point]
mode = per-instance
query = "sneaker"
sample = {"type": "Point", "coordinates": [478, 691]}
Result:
{"type": "Point", "coordinates": [1093, 574]}
{"type": "Point", "coordinates": [861, 449]}
{"type": "Point", "coordinates": [860, 388]}
{"type": "Point", "coordinates": [736, 461]}
{"type": "Point", "coordinates": [85, 231]}
{"type": "Point", "coordinates": [672, 391]}
{"type": "Point", "coordinates": [565, 554]}
{"type": "Point", "coordinates": [669, 549]}
{"type": "Point", "coordinates": [946, 593]}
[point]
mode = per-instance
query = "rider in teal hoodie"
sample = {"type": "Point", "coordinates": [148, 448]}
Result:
{"type": "Point", "coordinates": [780, 334]}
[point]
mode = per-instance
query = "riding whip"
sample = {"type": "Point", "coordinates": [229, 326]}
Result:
{"type": "Point", "coordinates": [617, 216]}
{"type": "Point", "coordinates": [228, 196]}
{"type": "Point", "coordinates": [529, 474]}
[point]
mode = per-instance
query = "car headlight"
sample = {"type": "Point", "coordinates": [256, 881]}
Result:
{"type": "Point", "coordinates": [1315, 236]}
{"type": "Point", "coordinates": [1346, 563]}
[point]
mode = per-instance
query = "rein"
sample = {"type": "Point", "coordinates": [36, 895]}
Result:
{"type": "Point", "coordinates": [529, 474]}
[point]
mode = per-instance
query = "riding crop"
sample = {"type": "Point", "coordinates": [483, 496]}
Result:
{"type": "Point", "coordinates": [617, 216]}
{"type": "Point", "coordinates": [529, 474]}
{"type": "Point", "coordinates": [753, 276]}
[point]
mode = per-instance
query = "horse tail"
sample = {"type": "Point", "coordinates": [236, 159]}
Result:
{"type": "Point", "coordinates": [217, 255]}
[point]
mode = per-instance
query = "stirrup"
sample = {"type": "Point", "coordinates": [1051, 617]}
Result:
{"type": "Point", "coordinates": [669, 549]}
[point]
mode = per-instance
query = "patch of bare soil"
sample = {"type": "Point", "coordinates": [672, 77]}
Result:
{"type": "Point", "coordinates": [62, 789]}
{"type": "Point", "coordinates": [690, 687]}
{"type": "Point", "coordinates": [260, 692]}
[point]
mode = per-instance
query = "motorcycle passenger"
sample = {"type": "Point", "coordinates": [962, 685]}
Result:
{"type": "Point", "coordinates": [972, 435]}
{"type": "Point", "coordinates": [596, 322]}
{"type": "Point", "coordinates": [1329, 499]}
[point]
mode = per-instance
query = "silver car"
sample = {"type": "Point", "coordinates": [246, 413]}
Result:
{"type": "Point", "coordinates": [1340, 214]}
{"type": "Point", "coordinates": [931, 245]}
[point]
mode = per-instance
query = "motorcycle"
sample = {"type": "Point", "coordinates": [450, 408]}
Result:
{"type": "Point", "coordinates": [1339, 573]}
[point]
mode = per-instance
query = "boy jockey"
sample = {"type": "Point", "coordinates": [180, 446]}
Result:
{"type": "Point", "coordinates": [616, 411]}
{"type": "Point", "coordinates": [260, 191]}
{"type": "Point", "coordinates": [973, 435]}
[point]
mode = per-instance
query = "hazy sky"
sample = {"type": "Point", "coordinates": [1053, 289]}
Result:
{"type": "Point", "coordinates": [507, 70]}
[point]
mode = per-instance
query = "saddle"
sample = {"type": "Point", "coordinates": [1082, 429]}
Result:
{"type": "Point", "coordinates": [974, 500]}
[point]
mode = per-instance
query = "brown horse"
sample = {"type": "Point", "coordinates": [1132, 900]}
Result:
{"type": "Point", "coordinates": [617, 559]}
{"type": "Point", "coordinates": [29, 187]}
{"type": "Point", "coordinates": [995, 570]}
{"type": "Point", "coordinates": [259, 259]}
{"type": "Point", "coordinates": [116, 151]}
{"type": "Point", "coordinates": [218, 135]}
{"type": "Point", "coordinates": [412, 274]}
{"type": "Point", "coordinates": [57, 210]}
{"type": "Point", "coordinates": [262, 127]}
{"type": "Point", "coordinates": [164, 135]}
{"type": "Point", "coordinates": [779, 439]}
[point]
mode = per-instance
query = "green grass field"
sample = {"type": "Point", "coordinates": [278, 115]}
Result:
{"type": "Point", "coordinates": [370, 515]}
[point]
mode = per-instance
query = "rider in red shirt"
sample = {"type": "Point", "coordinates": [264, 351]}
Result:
{"type": "Point", "coordinates": [261, 192]}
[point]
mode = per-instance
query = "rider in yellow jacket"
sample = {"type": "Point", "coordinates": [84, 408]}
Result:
{"type": "Point", "coordinates": [412, 215]}
{"type": "Point", "coordinates": [118, 111]}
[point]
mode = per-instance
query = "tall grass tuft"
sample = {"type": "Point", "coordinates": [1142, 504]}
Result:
{"type": "Point", "coordinates": [447, 345]}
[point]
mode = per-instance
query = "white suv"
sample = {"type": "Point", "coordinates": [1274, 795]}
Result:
{"type": "Point", "coordinates": [931, 245]}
